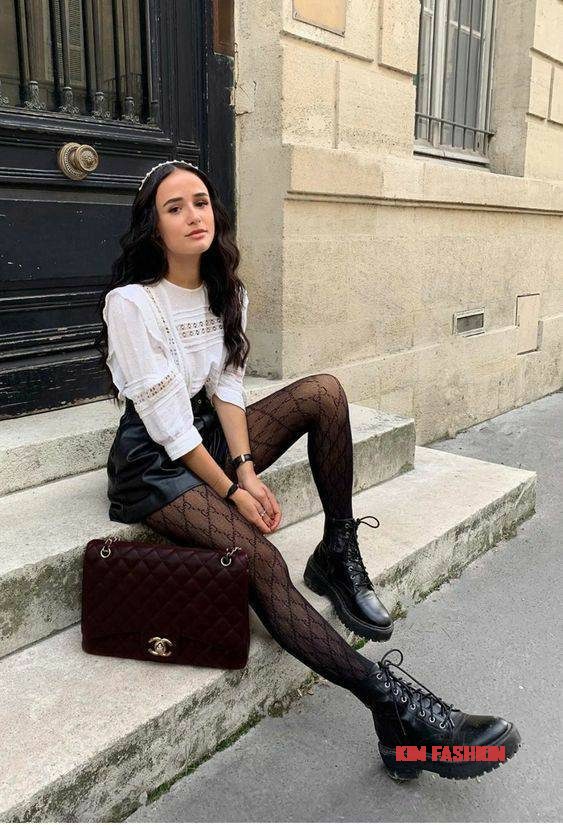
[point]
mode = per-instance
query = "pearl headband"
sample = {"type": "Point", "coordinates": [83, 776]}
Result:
{"type": "Point", "coordinates": [164, 163]}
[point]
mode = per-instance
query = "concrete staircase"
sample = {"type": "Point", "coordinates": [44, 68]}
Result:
{"type": "Point", "coordinates": [87, 738]}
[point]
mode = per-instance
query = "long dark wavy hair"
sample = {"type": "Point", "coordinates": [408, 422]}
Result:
{"type": "Point", "coordinates": [143, 261]}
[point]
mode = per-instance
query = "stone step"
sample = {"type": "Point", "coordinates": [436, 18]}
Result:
{"type": "Point", "coordinates": [38, 448]}
{"type": "Point", "coordinates": [44, 530]}
{"type": "Point", "coordinates": [106, 733]}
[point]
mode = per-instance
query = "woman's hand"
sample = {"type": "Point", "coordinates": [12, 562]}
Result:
{"type": "Point", "coordinates": [264, 500]}
{"type": "Point", "coordinates": [250, 508]}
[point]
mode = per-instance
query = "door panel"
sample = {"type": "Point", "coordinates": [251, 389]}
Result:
{"type": "Point", "coordinates": [131, 79]}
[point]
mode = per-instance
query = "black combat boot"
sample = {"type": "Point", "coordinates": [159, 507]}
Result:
{"type": "Point", "coordinates": [335, 569]}
{"type": "Point", "coordinates": [406, 715]}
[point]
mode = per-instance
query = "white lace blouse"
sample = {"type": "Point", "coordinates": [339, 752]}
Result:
{"type": "Point", "coordinates": [164, 345]}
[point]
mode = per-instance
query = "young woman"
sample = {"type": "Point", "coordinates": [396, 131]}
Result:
{"type": "Point", "coordinates": [188, 453]}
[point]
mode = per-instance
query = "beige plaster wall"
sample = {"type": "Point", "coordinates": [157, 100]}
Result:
{"type": "Point", "coordinates": [357, 252]}
{"type": "Point", "coordinates": [544, 146]}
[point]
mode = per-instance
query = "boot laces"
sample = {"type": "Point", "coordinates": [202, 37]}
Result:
{"type": "Point", "coordinates": [403, 691]}
{"type": "Point", "coordinates": [354, 562]}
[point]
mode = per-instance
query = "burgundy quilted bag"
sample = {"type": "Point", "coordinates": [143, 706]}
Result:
{"type": "Point", "coordinates": [165, 603]}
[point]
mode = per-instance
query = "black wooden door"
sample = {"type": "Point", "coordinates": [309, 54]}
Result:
{"type": "Point", "coordinates": [140, 82]}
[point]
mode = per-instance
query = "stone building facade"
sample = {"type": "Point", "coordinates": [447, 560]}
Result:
{"type": "Point", "coordinates": [428, 280]}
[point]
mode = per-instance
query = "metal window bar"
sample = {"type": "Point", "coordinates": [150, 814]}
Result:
{"type": "Point", "coordinates": [479, 60]}
{"type": "Point", "coordinates": [418, 104]}
{"type": "Point", "coordinates": [468, 67]}
{"type": "Point", "coordinates": [487, 134]}
{"type": "Point", "coordinates": [418, 78]}
{"type": "Point", "coordinates": [487, 101]}
{"type": "Point", "coordinates": [55, 56]}
{"type": "Point", "coordinates": [446, 52]}
{"type": "Point", "coordinates": [29, 85]}
{"type": "Point", "coordinates": [129, 102]}
{"type": "Point", "coordinates": [456, 66]}
{"type": "Point", "coordinates": [118, 60]}
{"type": "Point", "coordinates": [438, 62]}
{"type": "Point", "coordinates": [425, 49]}
{"type": "Point", "coordinates": [100, 110]}
{"type": "Point", "coordinates": [89, 54]}
{"type": "Point", "coordinates": [67, 104]}
{"type": "Point", "coordinates": [149, 58]}
{"type": "Point", "coordinates": [431, 62]}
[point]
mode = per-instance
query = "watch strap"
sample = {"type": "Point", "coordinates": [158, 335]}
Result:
{"type": "Point", "coordinates": [240, 459]}
{"type": "Point", "coordinates": [232, 489]}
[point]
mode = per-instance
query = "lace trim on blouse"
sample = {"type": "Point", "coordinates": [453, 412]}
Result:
{"type": "Point", "coordinates": [167, 331]}
{"type": "Point", "coordinates": [189, 329]}
{"type": "Point", "coordinates": [152, 392]}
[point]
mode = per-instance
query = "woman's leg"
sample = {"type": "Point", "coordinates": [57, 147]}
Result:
{"type": "Point", "coordinates": [316, 405]}
{"type": "Point", "coordinates": [200, 517]}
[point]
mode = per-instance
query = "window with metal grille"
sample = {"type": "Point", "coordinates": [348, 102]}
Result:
{"type": "Point", "coordinates": [455, 52]}
{"type": "Point", "coordinates": [81, 57]}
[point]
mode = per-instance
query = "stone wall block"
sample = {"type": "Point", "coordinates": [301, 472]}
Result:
{"type": "Point", "coordinates": [398, 37]}
{"type": "Point", "coordinates": [556, 108]}
{"type": "Point", "coordinates": [540, 85]}
{"type": "Point", "coordinates": [308, 94]}
{"type": "Point", "coordinates": [376, 110]}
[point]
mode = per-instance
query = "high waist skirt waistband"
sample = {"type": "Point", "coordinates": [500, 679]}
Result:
{"type": "Point", "coordinates": [199, 401]}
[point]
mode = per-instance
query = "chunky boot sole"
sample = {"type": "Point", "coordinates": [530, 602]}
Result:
{"type": "Point", "coordinates": [319, 584]}
{"type": "Point", "coordinates": [403, 771]}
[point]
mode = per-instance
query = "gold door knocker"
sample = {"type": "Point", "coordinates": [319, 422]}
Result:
{"type": "Point", "coordinates": [76, 160]}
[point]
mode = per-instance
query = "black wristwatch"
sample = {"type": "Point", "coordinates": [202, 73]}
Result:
{"type": "Point", "coordinates": [232, 489]}
{"type": "Point", "coordinates": [240, 459]}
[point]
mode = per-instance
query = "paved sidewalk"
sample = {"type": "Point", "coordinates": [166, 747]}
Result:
{"type": "Point", "coordinates": [489, 642]}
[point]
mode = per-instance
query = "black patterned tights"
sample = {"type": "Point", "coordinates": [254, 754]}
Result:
{"type": "Point", "coordinates": [316, 405]}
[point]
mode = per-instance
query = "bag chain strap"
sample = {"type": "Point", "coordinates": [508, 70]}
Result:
{"type": "Point", "coordinates": [105, 551]}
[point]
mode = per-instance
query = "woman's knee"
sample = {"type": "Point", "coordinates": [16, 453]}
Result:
{"type": "Point", "coordinates": [324, 392]}
{"type": "Point", "coordinates": [331, 386]}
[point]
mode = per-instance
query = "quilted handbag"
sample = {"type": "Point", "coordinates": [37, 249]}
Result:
{"type": "Point", "coordinates": [165, 603]}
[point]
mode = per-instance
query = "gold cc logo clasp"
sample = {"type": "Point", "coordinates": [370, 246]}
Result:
{"type": "Point", "coordinates": [159, 646]}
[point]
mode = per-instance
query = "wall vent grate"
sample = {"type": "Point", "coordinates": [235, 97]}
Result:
{"type": "Point", "coordinates": [469, 322]}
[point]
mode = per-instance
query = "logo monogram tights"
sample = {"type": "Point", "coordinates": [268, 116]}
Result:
{"type": "Point", "coordinates": [316, 405]}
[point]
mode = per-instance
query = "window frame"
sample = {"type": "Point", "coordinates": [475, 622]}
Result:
{"type": "Point", "coordinates": [433, 113]}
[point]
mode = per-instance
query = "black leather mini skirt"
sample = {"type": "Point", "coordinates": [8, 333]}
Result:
{"type": "Point", "coordinates": [142, 477]}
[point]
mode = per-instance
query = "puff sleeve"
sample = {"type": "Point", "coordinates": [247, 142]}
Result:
{"type": "Point", "coordinates": [144, 371]}
{"type": "Point", "coordinates": [229, 386]}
